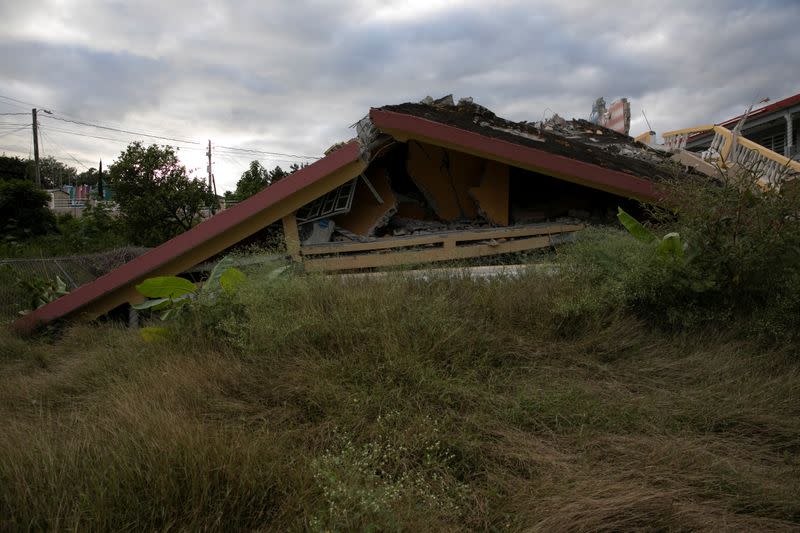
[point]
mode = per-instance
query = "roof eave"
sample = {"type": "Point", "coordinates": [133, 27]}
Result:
{"type": "Point", "coordinates": [404, 127]}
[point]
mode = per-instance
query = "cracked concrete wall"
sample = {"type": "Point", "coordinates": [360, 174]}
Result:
{"type": "Point", "coordinates": [492, 196]}
{"type": "Point", "coordinates": [445, 177]}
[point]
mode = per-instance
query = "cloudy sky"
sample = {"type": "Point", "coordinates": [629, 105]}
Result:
{"type": "Point", "coordinates": [290, 77]}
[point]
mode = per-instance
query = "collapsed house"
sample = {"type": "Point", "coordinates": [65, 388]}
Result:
{"type": "Point", "coordinates": [421, 182]}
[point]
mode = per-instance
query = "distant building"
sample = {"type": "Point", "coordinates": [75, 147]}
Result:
{"type": "Point", "coordinates": [775, 126]}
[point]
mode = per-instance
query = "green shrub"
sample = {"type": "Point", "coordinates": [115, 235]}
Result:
{"type": "Point", "coordinates": [23, 210]}
{"type": "Point", "coordinates": [741, 259]}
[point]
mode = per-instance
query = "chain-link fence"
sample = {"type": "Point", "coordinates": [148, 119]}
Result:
{"type": "Point", "coordinates": [18, 276]}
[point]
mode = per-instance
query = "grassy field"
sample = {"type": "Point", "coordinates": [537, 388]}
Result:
{"type": "Point", "coordinates": [395, 404]}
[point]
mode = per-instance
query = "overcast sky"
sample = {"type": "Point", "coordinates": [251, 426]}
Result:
{"type": "Point", "coordinates": [290, 77]}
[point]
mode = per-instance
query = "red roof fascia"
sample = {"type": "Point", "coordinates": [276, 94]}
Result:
{"type": "Point", "coordinates": [777, 106]}
{"type": "Point", "coordinates": [593, 175]}
{"type": "Point", "coordinates": [223, 221]}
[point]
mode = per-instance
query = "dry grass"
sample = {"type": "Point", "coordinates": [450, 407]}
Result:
{"type": "Point", "coordinates": [396, 404]}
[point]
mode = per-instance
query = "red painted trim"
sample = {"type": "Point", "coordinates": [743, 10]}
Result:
{"type": "Point", "coordinates": [586, 173]}
{"type": "Point", "coordinates": [218, 224]}
{"type": "Point", "coordinates": [777, 106]}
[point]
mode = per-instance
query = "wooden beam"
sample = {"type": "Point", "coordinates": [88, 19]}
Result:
{"type": "Point", "coordinates": [421, 240]}
{"type": "Point", "coordinates": [372, 260]}
{"type": "Point", "coordinates": [291, 236]}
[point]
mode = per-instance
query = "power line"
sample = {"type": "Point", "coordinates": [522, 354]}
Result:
{"type": "Point", "coordinates": [161, 137]}
{"type": "Point", "coordinates": [249, 150]}
{"type": "Point", "coordinates": [81, 123]}
{"type": "Point", "coordinates": [122, 141]}
{"type": "Point", "coordinates": [61, 148]}
{"type": "Point", "coordinates": [6, 114]}
{"type": "Point", "coordinates": [14, 131]}
{"type": "Point", "coordinates": [18, 101]}
{"type": "Point", "coordinates": [12, 104]}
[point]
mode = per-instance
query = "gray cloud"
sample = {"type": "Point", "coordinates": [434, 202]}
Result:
{"type": "Point", "coordinates": [291, 77]}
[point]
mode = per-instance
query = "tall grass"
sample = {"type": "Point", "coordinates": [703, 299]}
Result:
{"type": "Point", "coordinates": [398, 404]}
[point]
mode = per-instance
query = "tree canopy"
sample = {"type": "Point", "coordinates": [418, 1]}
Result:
{"type": "Point", "coordinates": [23, 209]}
{"type": "Point", "coordinates": [255, 178]}
{"type": "Point", "coordinates": [157, 197]}
{"type": "Point", "coordinates": [14, 168]}
{"type": "Point", "coordinates": [54, 173]}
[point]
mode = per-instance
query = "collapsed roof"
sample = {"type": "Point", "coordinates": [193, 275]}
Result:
{"type": "Point", "coordinates": [422, 182]}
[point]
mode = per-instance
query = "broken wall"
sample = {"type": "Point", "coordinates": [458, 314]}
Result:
{"type": "Point", "coordinates": [445, 178]}
{"type": "Point", "coordinates": [371, 209]}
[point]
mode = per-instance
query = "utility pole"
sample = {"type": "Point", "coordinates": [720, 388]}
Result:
{"type": "Point", "coordinates": [36, 148]}
{"type": "Point", "coordinates": [212, 185]}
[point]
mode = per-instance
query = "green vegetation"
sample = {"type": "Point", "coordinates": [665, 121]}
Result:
{"type": "Point", "coordinates": [392, 403]}
{"type": "Point", "coordinates": [96, 230]}
{"type": "Point", "coordinates": [23, 210]}
{"type": "Point", "coordinates": [156, 195]}
{"type": "Point", "coordinates": [256, 178]}
{"type": "Point", "coordinates": [636, 382]}
{"type": "Point", "coordinates": [171, 296]}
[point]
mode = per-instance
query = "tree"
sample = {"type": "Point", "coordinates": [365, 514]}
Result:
{"type": "Point", "coordinates": [87, 177]}
{"type": "Point", "coordinates": [256, 178]}
{"type": "Point", "coordinates": [252, 181]}
{"type": "Point", "coordinates": [23, 209]}
{"type": "Point", "coordinates": [277, 174]}
{"type": "Point", "coordinates": [55, 173]}
{"type": "Point", "coordinates": [13, 168]}
{"type": "Point", "coordinates": [156, 196]}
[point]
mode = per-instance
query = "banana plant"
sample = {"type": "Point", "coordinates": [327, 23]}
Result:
{"type": "Point", "coordinates": [670, 246]}
{"type": "Point", "coordinates": [171, 294]}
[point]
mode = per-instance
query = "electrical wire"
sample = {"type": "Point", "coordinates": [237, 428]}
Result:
{"type": "Point", "coordinates": [249, 150]}
{"type": "Point", "coordinates": [15, 100]}
{"type": "Point", "coordinates": [81, 123]}
{"type": "Point", "coordinates": [14, 131]}
{"type": "Point", "coordinates": [61, 149]}
{"type": "Point", "coordinates": [122, 141]}
{"type": "Point", "coordinates": [161, 137]}
{"type": "Point", "coordinates": [6, 114]}
{"type": "Point", "coordinates": [12, 104]}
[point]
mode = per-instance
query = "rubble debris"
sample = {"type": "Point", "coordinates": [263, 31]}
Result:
{"type": "Point", "coordinates": [412, 209]}
{"type": "Point", "coordinates": [569, 139]}
{"type": "Point", "coordinates": [342, 235]}
{"type": "Point", "coordinates": [321, 231]}
{"type": "Point", "coordinates": [696, 162]}
{"type": "Point", "coordinates": [370, 215]}
{"type": "Point", "coordinates": [445, 101]}
{"type": "Point", "coordinates": [370, 140]}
